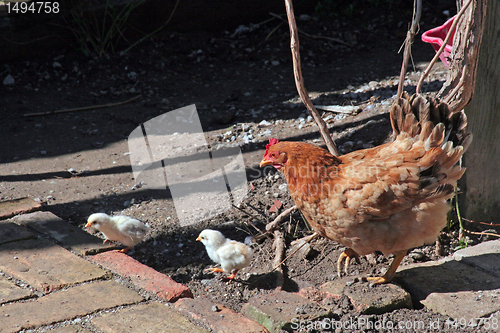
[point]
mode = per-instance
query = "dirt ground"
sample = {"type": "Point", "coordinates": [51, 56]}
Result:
{"type": "Point", "coordinates": [241, 81]}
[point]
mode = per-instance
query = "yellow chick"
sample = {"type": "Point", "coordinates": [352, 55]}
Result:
{"type": "Point", "coordinates": [123, 229]}
{"type": "Point", "coordinates": [230, 254]}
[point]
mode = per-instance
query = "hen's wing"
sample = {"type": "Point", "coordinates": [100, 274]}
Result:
{"type": "Point", "coordinates": [390, 178]}
{"type": "Point", "coordinates": [419, 165]}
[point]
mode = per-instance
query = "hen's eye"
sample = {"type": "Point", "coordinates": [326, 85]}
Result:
{"type": "Point", "coordinates": [274, 154]}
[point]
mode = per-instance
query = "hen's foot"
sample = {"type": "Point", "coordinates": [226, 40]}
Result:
{"type": "Point", "coordinates": [389, 275]}
{"type": "Point", "coordinates": [346, 255]}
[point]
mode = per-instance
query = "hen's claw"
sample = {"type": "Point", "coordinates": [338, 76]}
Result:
{"type": "Point", "coordinates": [389, 275]}
{"type": "Point", "coordinates": [347, 255]}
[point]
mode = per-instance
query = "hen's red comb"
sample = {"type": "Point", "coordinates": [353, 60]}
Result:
{"type": "Point", "coordinates": [272, 141]}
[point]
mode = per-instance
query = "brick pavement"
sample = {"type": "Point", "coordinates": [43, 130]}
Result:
{"type": "Point", "coordinates": [54, 273]}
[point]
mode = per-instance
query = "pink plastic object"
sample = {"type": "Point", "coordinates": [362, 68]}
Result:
{"type": "Point", "coordinates": [436, 37]}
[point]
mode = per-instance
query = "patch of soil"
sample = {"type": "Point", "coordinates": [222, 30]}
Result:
{"type": "Point", "coordinates": [78, 163]}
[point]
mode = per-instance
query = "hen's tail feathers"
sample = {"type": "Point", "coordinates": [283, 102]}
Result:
{"type": "Point", "coordinates": [432, 121]}
{"type": "Point", "coordinates": [443, 135]}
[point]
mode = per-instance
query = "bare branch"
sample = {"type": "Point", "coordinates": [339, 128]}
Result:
{"type": "Point", "coordinates": [279, 250]}
{"type": "Point", "coordinates": [336, 40]}
{"type": "Point", "coordinates": [408, 41]}
{"type": "Point", "coordinates": [460, 84]}
{"type": "Point", "coordinates": [299, 82]}
{"type": "Point", "coordinates": [85, 108]}
{"type": "Point", "coordinates": [271, 226]}
{"type": "Point", "coordinates": [441, 49]}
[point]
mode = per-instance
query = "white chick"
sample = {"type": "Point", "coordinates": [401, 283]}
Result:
{"type": "Point", "coordinates": [123, 229]}
{"type": "Point", "coordinates": [230, 254]}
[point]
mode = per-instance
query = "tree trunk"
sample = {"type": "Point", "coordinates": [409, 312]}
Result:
{"type": "Point", "coordinates": [481, 198]}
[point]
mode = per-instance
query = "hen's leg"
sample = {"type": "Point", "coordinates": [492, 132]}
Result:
{"type": "Point", "coordinates": [387, 277]}
{"type": "Point", "coordinates": [347, 255]}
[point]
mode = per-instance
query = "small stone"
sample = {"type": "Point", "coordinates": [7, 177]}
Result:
{"type": "Point", "coordinates": [304, 17]}
{"type": "Point", "coordinates": [215, 308]}
{"type": "Point", "coordinates": [275, 62]}
{"type": "Point", "coordinates": [265, 123]}
{"type": "Point", "coordinates": [56, 64]}
{"type": "Point", "coordinates": [8, 81]}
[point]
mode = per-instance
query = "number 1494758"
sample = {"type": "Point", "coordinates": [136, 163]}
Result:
{"type": "Point", "coordinates": [35, 7]}
{"type": "Point", "coordinates": [490, 323]}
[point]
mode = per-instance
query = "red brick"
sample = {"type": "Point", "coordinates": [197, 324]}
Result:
{"type": "Point", "coordinates": [45, 265]}
{"type": "Point", "coordinates": [145, 318]}
{"type": "Point", "coordinates": [143, 276]}
{"type": "Point", "coordinates": [18, 206]}
{"type": "Point", "coordinates": [10, 232]}
{"type": "Point", "coordinates": [281, 310]}
{"type": "Point", "coordinates": [9, 291]}
{"type": "Point", "coordinates": [65, 305]}
{"type": "Point", "coordinates": [222, 320]}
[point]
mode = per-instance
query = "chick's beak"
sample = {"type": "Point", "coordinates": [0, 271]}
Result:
{"type": "Point", "coordinates": [88, 225]}
{"type": "Point", "coordinates": [265, 162]}
{"type": "Point", "coordinates": [198, 239]}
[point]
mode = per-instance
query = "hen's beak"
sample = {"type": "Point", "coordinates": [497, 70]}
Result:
{"type": "Point", "coordinates": [198, 239]}
{"type": "Point", "coordinates": [265, 162]}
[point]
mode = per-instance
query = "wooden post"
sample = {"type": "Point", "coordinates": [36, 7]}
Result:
{"type": "Point", "coordinates": [481, 186]}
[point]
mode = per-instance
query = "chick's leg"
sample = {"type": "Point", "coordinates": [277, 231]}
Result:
{"type": "Point", "coordinates": [347, 255]}
{"type": "Point", "coordinates": [389, 275]}
{"type": "Point", "coordinates": [214, 270]}
{"type": "Point", "coordinates": [233, 275]}
{"type": "Point", "coordinates": [125, 249]}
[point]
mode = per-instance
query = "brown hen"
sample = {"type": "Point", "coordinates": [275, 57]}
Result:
{"type": "Point", "coordinates": [390, 198]}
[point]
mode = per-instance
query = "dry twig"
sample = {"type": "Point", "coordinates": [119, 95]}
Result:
{"type": "Point", "coordinates": [299, 81]}
{"type": "Point", "coordinates": [491, 224]}
{"type": "Point", "coordinates": [279, 250]}
{"type": "Point", "coordinates": [408, 41]}
{"type": "Point", "coordinates": [332, 39]}
{"type": "Point", "coordinates": [274, 224]}
{"type": "Point", "coordinates": [270, 227]}
{"type": "Point", "coordinates": [481, 233]}
{"type": "Point", "coordinates": [85, 108]}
